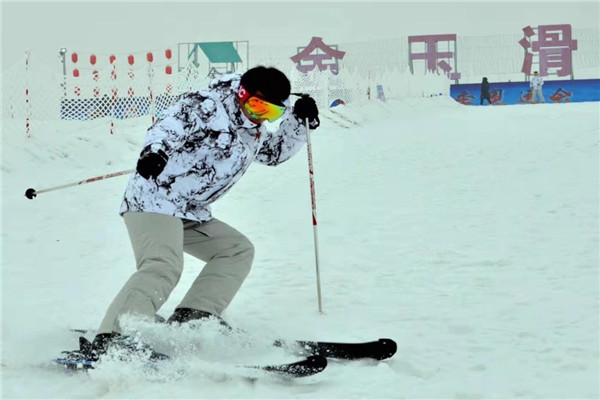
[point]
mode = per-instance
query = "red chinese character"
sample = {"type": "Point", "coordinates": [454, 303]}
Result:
{"type": "Point", "coordinates": [561, 95]}
{"type": "Point", "coordinates": [318, 59]}
{"type": "Point", "coordinates": [496, 97]}
{"type": "Point", "coordinates": [554, 44]}
{"type": "Point", "coordinates": [465, 97]}
{"type": "Point", "coordinates": [525, 97]}
{"type": "Point", "coordinates": [432, 55]}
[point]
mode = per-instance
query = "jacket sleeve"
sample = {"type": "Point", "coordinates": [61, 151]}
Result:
{"type": "Point", "coordinates": [192, 114]}
{"type": "Point", "coordinates": [283, 144]}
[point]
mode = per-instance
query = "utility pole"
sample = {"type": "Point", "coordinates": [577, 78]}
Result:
{"type": "Point", "coordinates": [63, 53]}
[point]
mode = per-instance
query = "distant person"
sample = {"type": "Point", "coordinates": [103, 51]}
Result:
{"type": "Point", "coordinates": [485, 91]}
{"type": "Point", "coordinates": [536, 87]}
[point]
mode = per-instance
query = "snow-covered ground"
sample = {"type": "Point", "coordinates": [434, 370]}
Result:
{"type": "Point", "coordinates": [467, 234]}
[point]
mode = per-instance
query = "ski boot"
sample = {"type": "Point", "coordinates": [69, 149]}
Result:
{"type": "Point", "coordinates": [183, 315]}
{"type": "Point", "coordinates": [89, 353]}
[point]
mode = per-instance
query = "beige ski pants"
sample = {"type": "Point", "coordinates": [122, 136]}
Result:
{"type": "Point", "coordinates": [159, 242]}
{"type": "Point", "coordinates": [537, 91]}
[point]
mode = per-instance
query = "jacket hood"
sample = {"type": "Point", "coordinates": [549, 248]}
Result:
{"type": "Point", "coordinates": [226, 87]}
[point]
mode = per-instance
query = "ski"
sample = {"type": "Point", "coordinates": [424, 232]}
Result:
{"type": "Point", "coordinates": [379, 350]}
{"type": "Point", "coordinates": [309, 366]}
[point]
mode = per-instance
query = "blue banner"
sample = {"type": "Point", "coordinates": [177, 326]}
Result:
{"type": "Point", "coordinates": [504, 93]}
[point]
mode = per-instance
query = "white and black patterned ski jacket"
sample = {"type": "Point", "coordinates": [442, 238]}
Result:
{"type": "Point", "coordinates": [210, 144]}
{"type": "Point", "coordinates": [536, 82]}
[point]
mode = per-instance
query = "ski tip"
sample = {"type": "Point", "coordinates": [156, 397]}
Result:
{"type": "Point", "coordinates": [389, 348]}
{"type": "Point", "coordinates": [309, 366]}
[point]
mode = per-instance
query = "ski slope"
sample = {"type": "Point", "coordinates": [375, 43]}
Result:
{"type": "Point", "coordinates": [467, 234]}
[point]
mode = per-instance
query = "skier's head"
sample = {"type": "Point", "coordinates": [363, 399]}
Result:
{"type": "Point", "coordinates": [535, 73]}
{"type": "Point", "coordinates": [270, 83]}
{"type": "Point", "coordinates": [263, 93]}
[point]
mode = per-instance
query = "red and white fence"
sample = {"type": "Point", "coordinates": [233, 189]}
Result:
{"type": "Point", "coordinates": [91, 86]}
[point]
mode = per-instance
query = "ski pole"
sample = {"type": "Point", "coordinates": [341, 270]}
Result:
{"type": "Point", "coordinates": [31, 193]}
{"type": "Point", "coordinates": [314, 213]}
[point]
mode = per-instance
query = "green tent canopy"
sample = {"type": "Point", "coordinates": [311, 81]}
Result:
{"type": "Point", "coordinates": [220, 52]}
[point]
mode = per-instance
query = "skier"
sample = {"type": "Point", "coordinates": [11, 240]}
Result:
{"type": "Point", "coordinates": [192, 155]}
{"type": "Point", "coordinates": [536, 87]}
{"type": "Point", "coordinates": [485, 91]}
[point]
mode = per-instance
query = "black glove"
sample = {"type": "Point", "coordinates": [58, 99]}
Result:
{"type": "Point", "coordinates": [151, 164]}
{"type": "Point", "coordinates": [305, 107]}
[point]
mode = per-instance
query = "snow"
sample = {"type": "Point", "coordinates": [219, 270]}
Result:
{"type": "Point", "coordinates": [467, 234]}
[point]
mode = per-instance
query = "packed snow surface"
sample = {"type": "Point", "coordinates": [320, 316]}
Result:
{"type": "Point", "coordinates": [467, 234]}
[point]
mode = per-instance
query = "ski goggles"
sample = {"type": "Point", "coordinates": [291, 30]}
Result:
{"type": "Point", "coordinates": [259, 108]}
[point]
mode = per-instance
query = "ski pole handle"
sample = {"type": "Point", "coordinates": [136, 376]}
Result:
{"type": "Point", "coordinates": [32, 193]}
{"type": "Point", "coordinates": [314, 213]}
